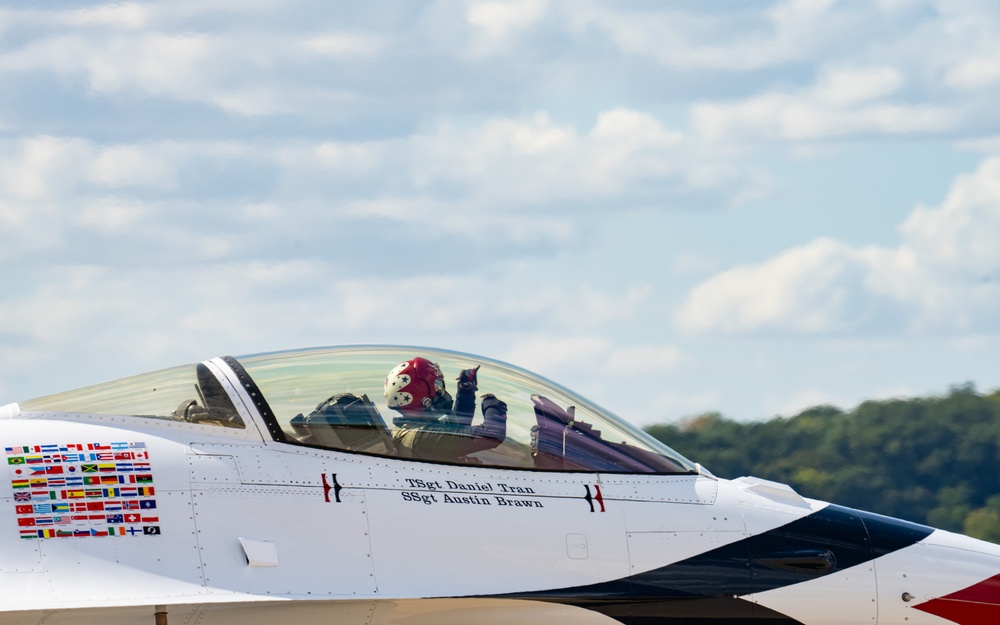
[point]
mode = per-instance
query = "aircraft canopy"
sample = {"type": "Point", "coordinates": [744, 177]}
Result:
{"type": "Point", "coordinates": [547, 426]}
{"type": "Point", "coordinates": [334, 398]}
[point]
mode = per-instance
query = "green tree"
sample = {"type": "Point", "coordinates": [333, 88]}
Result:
{"type": "Point", "coordinates": [984, 522]}
{"type": "Point", "coordinates": [933, 460]}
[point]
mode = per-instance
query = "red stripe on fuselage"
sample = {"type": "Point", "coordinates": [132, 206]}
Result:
{"type": "Point", "coordinates": [979, 603]}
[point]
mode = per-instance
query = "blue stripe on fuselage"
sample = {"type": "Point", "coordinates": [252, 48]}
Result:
{"type": "Point", "coordinates": [828, 540]}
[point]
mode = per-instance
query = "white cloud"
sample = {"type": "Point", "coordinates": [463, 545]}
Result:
{"type": "Point", "coordinates": [943, 277]}
{"type": "Point", "coordinates": [649, 360]}
{"type": "Point", "coordinates": [254, 66]}
{"type": "Point", "coordinates": [874, 50]}
{"type": "Point", "coordinates": [147, 316]}
{"type": "Point", "coordinates": [60, 168]}
{"type": "Point", "coordinates": [130, 15]}
{"type": "Point", "coordinates": [444, 302]}
{"type": "Point", "coordinates": [594, 358]}
{"type": "Point", "coordinates": [243, 73]}
{"type": "Point", "coordinates": [133, 165]}
{"type": "Point", "coordinates": [33, 168]}
{"type": "Point", "coordinates": [535, 159]}
{"type": "Point", "coordinates": [961, 234]}
{"type": "Point", "coordinates": [469, 219]}
{"type": "Point", "coordinates": [843, 102]}
{"type": "Point", "coordinates": [112, 216]}
{"type": "Point", "coordinates": [873, 81]}
{"type": "Point", "coordinates": [812, 288]}
{"type": "Point", "coordinates": [153, 63]}
{"type": "Point", "coordinates": [519, 179]}
{"type": "Point", "coordinates": [60, 208]}
{"type": "Point", "coordinates": [345, 44]}
{"type": "Point", "coordinates": [973, 73]}
{"type": "Point", "coordinates": [966, 45]}
{"type": "Point", "coordinates": [439, 302]}
{"type": "Point", "coordinates": [499, 22]}
{"type": "Point", "coordinates": [850, 86]}
{"type": "Point", "coordinates": [668, 406]}
{"type": "Point", "coordinates": [221, 167]}
{"type": "Point", "coordinates": [789, 31]}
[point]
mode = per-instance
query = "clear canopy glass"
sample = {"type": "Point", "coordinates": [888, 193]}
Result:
{"type": "Point", "coordinates": [188, 393]}
{"type": "Point", "coordinates": [335, 398]}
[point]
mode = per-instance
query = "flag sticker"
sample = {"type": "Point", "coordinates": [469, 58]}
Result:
{"type": "Point", "coordinates": [79, 490]}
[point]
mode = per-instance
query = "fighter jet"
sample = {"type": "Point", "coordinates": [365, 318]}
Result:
{"type": "Point", "coordinates": [382, 485]}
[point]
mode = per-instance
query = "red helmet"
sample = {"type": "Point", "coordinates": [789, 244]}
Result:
{"type": "Point", "coordinates": [412, 385]}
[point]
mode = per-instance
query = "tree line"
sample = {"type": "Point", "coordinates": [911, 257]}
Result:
{"type": "Point", "coordinates": [933, 460]}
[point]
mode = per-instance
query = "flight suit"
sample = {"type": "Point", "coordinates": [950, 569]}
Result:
{"type": "Point", "coordinates": [435, 437]}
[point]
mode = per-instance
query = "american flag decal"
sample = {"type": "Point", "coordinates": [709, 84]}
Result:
{"type": "Point", "coordinates": [82, 490]}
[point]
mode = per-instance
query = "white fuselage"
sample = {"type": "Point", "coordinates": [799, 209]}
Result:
{"type": "Point", "coordinates": [244, 521]}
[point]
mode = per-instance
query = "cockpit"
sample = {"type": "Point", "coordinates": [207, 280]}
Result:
{"type": "Point", "coordinates": [365, 400]}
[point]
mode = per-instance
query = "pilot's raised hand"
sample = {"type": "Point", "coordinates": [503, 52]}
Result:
{"type": "Point", "coordinates": [468, 379]}
{"type": "Point", "coordinates": [465, 397]}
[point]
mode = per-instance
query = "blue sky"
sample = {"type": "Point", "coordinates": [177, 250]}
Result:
{"type": "Point", "coordinates": [669, 207]}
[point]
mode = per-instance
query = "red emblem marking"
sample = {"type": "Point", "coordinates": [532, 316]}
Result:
{"type": "Point", "coordinates": [335, 487]}
{"type": "Point", "coordinates": [326, 488]}
{"type": "Point", "coordinates": [598, 496]}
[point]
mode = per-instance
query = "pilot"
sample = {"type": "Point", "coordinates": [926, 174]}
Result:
{"type": "Point", "coordinates": [433, 426]}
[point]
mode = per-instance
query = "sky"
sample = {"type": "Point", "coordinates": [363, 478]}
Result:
{"type": "Point", "coordinates": [670, 207]}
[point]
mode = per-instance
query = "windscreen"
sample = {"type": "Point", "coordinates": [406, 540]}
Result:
{"type": "Point", "coordinates": [337, 398]}
{"type": "Point", "coordinates": [187, 393]}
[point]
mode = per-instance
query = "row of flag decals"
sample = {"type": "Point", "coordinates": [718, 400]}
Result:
{"type": "Point", "coordinates": [83, 490]}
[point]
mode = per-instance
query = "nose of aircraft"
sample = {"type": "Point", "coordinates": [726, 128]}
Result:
{"type": "Point", "coordinates": [945, 576]}
{"type": "Point", "coordinates": [879, 570]}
